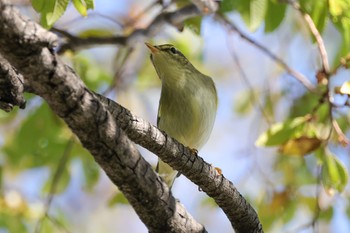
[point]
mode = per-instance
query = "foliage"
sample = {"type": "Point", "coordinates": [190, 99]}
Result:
{"type": "Point", "coordinates": [52, 10]}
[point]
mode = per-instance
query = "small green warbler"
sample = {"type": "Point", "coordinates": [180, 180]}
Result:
{"type": "Point", "coordinates": [188, 101]}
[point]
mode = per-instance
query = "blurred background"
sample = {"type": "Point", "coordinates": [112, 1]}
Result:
{"type": "Point", "coordinates": [49, 183]}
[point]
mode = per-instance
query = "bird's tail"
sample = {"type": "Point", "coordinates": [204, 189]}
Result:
{"type": "Point", "coordinates": [166, 172]}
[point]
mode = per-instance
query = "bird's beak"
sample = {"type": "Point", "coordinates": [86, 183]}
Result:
{"type": "Point", "coordinates": [152, 48]}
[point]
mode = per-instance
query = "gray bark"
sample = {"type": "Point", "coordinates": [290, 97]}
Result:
{"type": "Point", "coordinates": [107, 130]}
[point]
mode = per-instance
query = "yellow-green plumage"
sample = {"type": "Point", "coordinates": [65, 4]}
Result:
{"type": "Point", "coordinates": [188, 101]}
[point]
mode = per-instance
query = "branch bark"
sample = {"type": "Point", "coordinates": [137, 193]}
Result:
{"type": "Point", "coordinates": [105, 129]}
{"type": "Point", "coordinates": [11, 87]}
{"type": "Point", "coordinates": [174, 18]}
{"type": "Point", "coordinates": [29, 48]}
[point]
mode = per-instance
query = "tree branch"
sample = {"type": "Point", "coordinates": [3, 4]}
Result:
{"type": "Point", "coordinates": [11, 87]}
{"type": "Point", "coordinates": [28, 47]}
{"type": "Point", "coordinates": [299, 76]}
{"type": "Point", "coordinates": [105, 127]}
{"type": "Point", "coordinates": [174, 18]}
{"type": "Point", "coordinates": [240, 213]}
{"type": "Point", "coordinates": [316, 34]}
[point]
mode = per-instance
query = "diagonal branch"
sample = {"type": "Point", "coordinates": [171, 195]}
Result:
{"type": "Point", "coordinates": [173, 18]}
{"type": "Point", "coordinates": [242, 216]}
{"type": "Point", "coordinates": [104, 128]}
{"type": "Point", "coordinates": [316, 34]}
{"type": "Point", "coordinates": [299, 76]}
{"type": "Point", "coordinates": [28, 47]}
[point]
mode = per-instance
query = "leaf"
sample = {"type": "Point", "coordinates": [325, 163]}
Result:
{"type": "Point", "coordinates": [38, 5]}
{"type": "Point", "coordinates": [118, 198]}
{"type": "Point", "coordinates": [89, 4]}
{"type": "Point", "coordinates": [340, 16]}
{"type": "Point", "coordinates": [345, 88]}
{"type": "Point", "coordinates": [258, 9]}
{"type": "Point", "coordinates": [41, 138]}
{"type": "Point", "coordinates": [51, 11]}
{"type": "Point", "coordinates": [226, 6]}
{"type": "Point", "coordinates": [80, 6]}
{"type": "Point", "coordinates": [300, 146]}
{"type": "Point", "coordinates": [334, 173]}
{"type": "Point", "coordinates": [274, 15]}
{"type": "Point", "coordinates": [280, 133]}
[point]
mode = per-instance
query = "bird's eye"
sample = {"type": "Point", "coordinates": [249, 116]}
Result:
{"type": "Point", "coordinates": [173, 50]}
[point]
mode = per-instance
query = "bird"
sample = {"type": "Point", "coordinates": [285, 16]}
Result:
{"type": "Point", "coordinates": [188, 102]}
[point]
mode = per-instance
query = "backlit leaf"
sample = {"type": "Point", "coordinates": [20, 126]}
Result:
{"type": "Point", "coordinates": [80, 6]}
{"type": "Point", "coordinates": [300, 146]}
{"type": "Point", "coordinates": [280, 133]}
{"type": "Point", "coordinates": [334, 173]}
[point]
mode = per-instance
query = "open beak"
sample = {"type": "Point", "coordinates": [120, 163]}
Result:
{"type": "Point", "coordinates": [152, 48]}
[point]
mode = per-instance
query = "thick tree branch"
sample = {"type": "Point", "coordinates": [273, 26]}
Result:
{"type": "Point", "coordinates": [242, 216]}
{"type": "Point", "coordinates": [28, 47]}
{"type": "Point", "coordinates": [173, 18]}
{"type": "Point", "coordinates": [11, 87]}
{"type": "Point", "coordinates": [104, 128]}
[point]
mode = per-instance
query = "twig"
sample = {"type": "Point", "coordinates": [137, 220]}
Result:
{"type": "Point", "coordinates": [317, 196]}
{"type": "Point", "coordinates": [244, 77]}
{"type": "Point", "coordinates": [174, 18]}
{"type": "Point", "coordinates": [341, 136]}
{"type": "Point", "coordinates": [57, 223]}
{"type": "Point", "coordinates": [316, 34]}
{"type": "Point", "coordinates": [299, 76]}
{"type": "Point", "coordinates": [55, 180]}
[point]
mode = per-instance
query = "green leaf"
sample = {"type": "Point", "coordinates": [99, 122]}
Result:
{"type": "Point", "coordinates": [80, 6]}
{"type": "Point", "coordinates": [340, 16]}
{"type": "Point", "coordinates": [38, 5]}
{"type": "Point", "coordinates": [274, 15]}
{"type": "Point", "coordinates": [252, 11]}
{"type": "Point", "coordinates": [280, 133]}
{"type": "Point", "coordinates": [41, 138]}
{"type": "Point", "coordinates": [92, 74]}
{"type": "Point", "coordinates": [89, 4]}
{"type": "Point", "coordinates": [258, 9]}
{"type": "Point", "coordinates": [118, 198]}
{"type": "Point", "coordinates": [334, 173]}
{"type": "Point", "coordinates": [226, 6]}
{"type": "Point", "coordinates": [51, 11]}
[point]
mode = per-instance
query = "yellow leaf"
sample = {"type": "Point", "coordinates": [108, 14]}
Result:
{"type": "Point", "coordinates": [300, 146]}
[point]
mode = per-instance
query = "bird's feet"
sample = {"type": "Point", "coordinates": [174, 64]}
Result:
{"type": "Point", "coordinates": [193, 151]}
